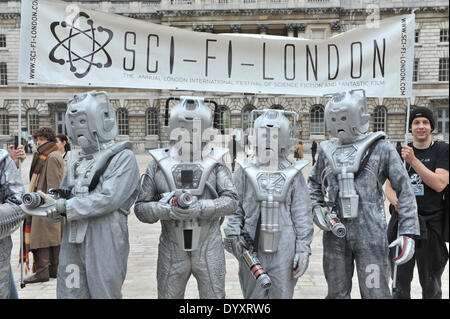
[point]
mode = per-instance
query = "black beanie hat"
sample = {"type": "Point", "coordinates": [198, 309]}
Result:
{"type": "Point", "coordinates": [421, 111]}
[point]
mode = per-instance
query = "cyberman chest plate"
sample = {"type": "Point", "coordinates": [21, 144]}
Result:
{"type": "Point", "coordinates": [271, 188]}
{"type": "Point", "coordinates": [191, 177]}
{"type": "Point", "coordinates": [345, 161]}
{"type": "Point", "coordinates": [187, 176]}
{"type": "Point", "coordinates": [346, 158]}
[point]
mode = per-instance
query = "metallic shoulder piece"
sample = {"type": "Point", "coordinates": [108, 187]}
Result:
{"type": "Point", "coordinates": [271, 190]}
{"type": "Point", "coordinates": [345, 160]}
{"type": "Point", "coordinates": [348, 156]}
{"type": "Point", "coordinates": [82, 169]}
{"type": "Point", "coordinates": [191, 177]}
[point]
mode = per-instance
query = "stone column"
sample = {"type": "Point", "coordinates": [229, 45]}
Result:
{"type": "Point", "coordinates": [235, 28]}
{"type": "Point", "coordinates": [301, 28]}
{"type": "Point", "coordinates": [262, 28]}
{"type": "Point", "coordinates": [290, 28]}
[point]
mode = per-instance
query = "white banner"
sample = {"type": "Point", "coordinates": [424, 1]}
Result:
{"type": "Point", "coordinates": [63, 43]}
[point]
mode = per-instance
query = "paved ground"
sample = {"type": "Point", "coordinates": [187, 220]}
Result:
{"type": "Point", "coordinates": [141, 277]}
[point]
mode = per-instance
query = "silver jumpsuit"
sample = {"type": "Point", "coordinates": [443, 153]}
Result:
{"type": "Point", "coordinates": [11, 190]}
{"type": "Point", "coordinates": [296, 235]}
{"type": "Point", "coordinates": [207, 263]}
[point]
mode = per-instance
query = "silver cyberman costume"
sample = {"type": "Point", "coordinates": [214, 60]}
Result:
{"type": "Point", "coordinates": [274, 210]}
{"type": "Point", "coordinates": [191, 240]}
{"type": "Point", "coordinates": [103, 179]}
{"type": "Point", "coordinates": [347, 181]}
{"type": "Point", "coordinates": [11, 190]}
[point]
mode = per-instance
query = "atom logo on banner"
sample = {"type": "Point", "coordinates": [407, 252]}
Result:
{"type": "Point", "coordinates": [82, 57]}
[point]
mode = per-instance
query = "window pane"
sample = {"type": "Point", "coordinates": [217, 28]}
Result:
{"type": "Point", "coordinates": [416, 70]}
{"type": "Point", "coordinates": [33, 121]}
{"type": "Point", "coordinates": [443, 69]}
{"type": "Point", "coordinates": [4, 122]}
{"type": "Point", "coordinates": [379, 119]}
{"type": "Point", "coordinates": [246, 117]}
{"type": "Point", "coordinates": [317, 34]}
{"type": "Point", "coordinates": [122, 121]}
{"type": "Point", "coordinates": [443, 35]}
{"type": "Point", "coordinates": [152, 122]}
{"type": "Point", "coordinates": [3, 74]}
{"type": "Point", "coordinates": [317, 123]}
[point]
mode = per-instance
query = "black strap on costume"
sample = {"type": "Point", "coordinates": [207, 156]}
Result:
{"type": "Point", "coordinates": [256, 241]}
{"type": "Point", "coordinates": [99, 173]}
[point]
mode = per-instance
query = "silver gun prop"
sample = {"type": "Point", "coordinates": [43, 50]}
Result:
{"type": "Point", "coordinates": [189, 230]}
{"type": "Point", "coordinates": [253, 263]}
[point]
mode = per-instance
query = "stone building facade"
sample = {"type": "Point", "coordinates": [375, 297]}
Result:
{"type": "Point", "coordinates": [140, 112]}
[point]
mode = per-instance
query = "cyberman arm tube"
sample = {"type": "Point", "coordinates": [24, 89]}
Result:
{"type": "Point", "coordinates": [301, 214]}
{"type": "Point", "coordinates": [315, 182]}
{"type": "Point", "coordinates": [228, 198]}
{"type": "Point", "coordinates": [10, 218]}
{"type": "Point", "coordinates": [11, 182]}
{"type": "Point", "coordinates": [146, 209]}
{"type": "Point", "coordinates": [398, 176]}
{"type": "Point", "coordinates": [236, 219]}
{"type": "Point", "coordinates": [116, 189]}
{"type": "Point", "coordinates": [328, 221]}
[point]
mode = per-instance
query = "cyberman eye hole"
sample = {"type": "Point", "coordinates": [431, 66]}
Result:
{"type": "Point", "coordinates": [344, 118]}
{"type": "Point", "coordinates": [333, 119]}
{"type": "Point", "coordinates": [82, 121]}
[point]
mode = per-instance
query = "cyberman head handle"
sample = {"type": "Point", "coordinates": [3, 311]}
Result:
{"type": "Point", "coordinates": [272, 130]}
{"type": "Point", "coordinates": [346, 115]}
{"type": "Point", "coordinates": [90, 120]}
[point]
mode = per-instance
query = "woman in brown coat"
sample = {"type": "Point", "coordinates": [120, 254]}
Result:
{"type": "Point", "coordinates": [47, 171]}
{"type": "Point", "coordinates": [299, 149]}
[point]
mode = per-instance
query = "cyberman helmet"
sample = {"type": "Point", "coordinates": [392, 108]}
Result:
{"type": "Point", "coordinates": [190, 115]}
{"type": "Point", "coordinates": [273, 132]}
{"type": "Point", "coordinates": [90, 120]}
{"type": "Point", "coordinates": [346, 115]}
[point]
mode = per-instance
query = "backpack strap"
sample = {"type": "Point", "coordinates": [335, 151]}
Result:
{"type": "Point", "coordinates": [99, 173]}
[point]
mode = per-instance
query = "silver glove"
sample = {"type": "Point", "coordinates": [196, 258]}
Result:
{"type": "Point", "coordinates": [233, 245]}
{"type": "Point", "coordinates": [300, 264]}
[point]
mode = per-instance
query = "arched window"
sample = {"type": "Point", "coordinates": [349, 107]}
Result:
{"type": "Point", "coordinates": [222, 119]}
{"type": "Point", "coordinates": [317, 120]}
{"type": "Point", "coordinates": [4, 122]}
{"type": "Point", "coordinates": [152, 121]}
{"type": "Point", "coordinates": [122, 121]}
{"type": "Point", "coordinates": [246, 116]}
{"type": "Point", "coordinates": [277, 107]}
{"type": "Point", "coordinates": [379, 119]}
{"type": "Point", "coordinates": [32, 120]}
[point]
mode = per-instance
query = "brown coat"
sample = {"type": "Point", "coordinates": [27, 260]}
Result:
{"type": "Point", "coordinates": [299, 148]}
{"type": "Point", "coordinates": [45, 232]}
